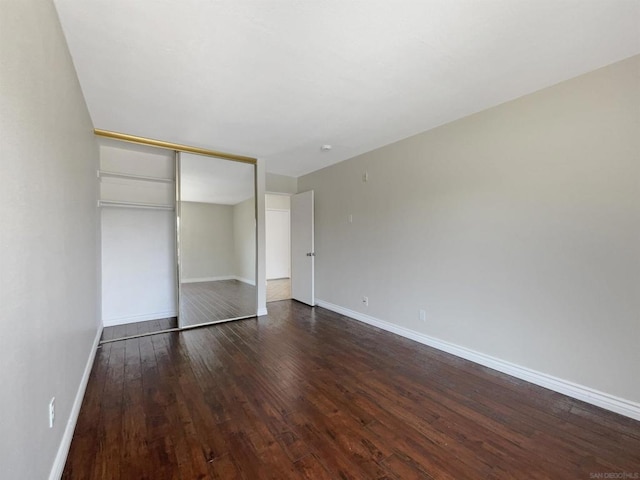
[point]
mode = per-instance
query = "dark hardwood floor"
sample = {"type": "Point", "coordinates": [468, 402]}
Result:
{"type": "Point", "coordinates": [306, 393]}
{"type": "Point", "coordinates": [205, 302]}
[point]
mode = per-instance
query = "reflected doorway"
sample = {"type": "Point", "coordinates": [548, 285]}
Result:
{"type": "Point", "coordinates": [278, 246]}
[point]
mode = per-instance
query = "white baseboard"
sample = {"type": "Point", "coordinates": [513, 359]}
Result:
{"type": "Point", "coordinates": [604, 400]}
{"type": "Point", "coordinates": [262, 312]}
{"type": "Point", "coordinates": [208, 279]}
{"type": "Point", "coordinates": [217, 279]}
{"type": "Point", "coordinates": [246, 280]}
{"type": "Point", "coordinates": [110, 322]}
{"type": "Point", "coordinates": [63, 450]}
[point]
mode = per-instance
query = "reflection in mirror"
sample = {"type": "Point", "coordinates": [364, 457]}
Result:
{"type": "Point", "coordinates": [217, 240]}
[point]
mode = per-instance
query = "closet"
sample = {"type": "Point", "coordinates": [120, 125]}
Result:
{"type": "Point", "coordinates": [155, 275]}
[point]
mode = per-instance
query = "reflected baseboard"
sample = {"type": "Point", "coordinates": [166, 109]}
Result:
{"type": "Point", "coordinates": [208, 279]}
{"type": "Point", "coordinates": [217, 279]}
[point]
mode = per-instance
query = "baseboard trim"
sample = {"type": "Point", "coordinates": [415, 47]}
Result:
{"type": "Point", "coordinates": [208, 279]}
{"type": "Point", "coordinates": [586, 394]}
{"type": "Point", "coordinates": [262, 312]}
{"type": "Point", "coordinates": [111, 322]}
{"type": "Point", "coordinates": [65, 444]}
{"type": "Point", "coordinates": [217, 279]}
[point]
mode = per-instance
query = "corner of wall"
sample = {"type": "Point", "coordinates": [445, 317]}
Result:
{"type": "Point", "coordinates": [65, 443]}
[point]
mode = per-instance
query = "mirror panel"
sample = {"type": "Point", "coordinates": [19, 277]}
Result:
{"type": "Point", "coordinates": [216, 240]}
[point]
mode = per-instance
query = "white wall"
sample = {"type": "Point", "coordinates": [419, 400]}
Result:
{"type": "Point", "coordinates": [244, 233]}
{"type": "Point", "coordinates": [138, 265]}
{"type": "Point", "coordinates": [48, 239]}
{"type": "Point", "coordinates": [207, 241]}
{"type": "Point", "coordinates": [261, 273]}
{"type": "Point", "coordinates": [277, 202]}
{"type": "Point", "coordinates": [278, 244]}
{"type": "Point", "coordinates": [278, 236]}
{"type": "Point", "coordinates": [138, 245]}
{"type": "Point", "coordinates": [516, 229]}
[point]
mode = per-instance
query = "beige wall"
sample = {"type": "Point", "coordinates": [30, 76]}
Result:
{"type": "Point", "coordinates": [516, 229]}
{"type": "Point", "coordinates": [281, 183]}
{"type": "Point", "coordinates": [207, 243]}
{"type": "Point", "coordinates": [48, 239]}
{"type": "Point", "coordinates": [218, 241]}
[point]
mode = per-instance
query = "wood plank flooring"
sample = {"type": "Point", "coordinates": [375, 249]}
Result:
{"type": "Point", "coordinates": [205, 302]}
{"type": "Point", "coordinates": [306, 393]}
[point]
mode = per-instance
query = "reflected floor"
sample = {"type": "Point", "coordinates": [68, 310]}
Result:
{"type": "Point", "coordinates": [205, 302]}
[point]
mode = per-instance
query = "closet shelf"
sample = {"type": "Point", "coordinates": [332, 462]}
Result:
{"type": "Point", "coordinates": [151, 206]}
{"type": "Point", "coordinates": [105, 174]}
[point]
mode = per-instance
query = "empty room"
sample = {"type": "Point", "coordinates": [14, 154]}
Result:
{"type": "Point", "coordinates": [273, 239]}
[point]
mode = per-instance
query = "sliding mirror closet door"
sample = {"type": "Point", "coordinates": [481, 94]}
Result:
{"type": "Point", "coordinates": [216, 240]}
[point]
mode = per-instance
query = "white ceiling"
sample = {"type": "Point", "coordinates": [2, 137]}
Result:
{"type": "Point", "coordinates": [212, 180]}
{"type": "Point", "coordinates": [276, 79]}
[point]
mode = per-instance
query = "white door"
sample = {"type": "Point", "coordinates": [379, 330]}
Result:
{"type": "Point", "coordinates": [278, 246]}
{"type": "Point", "coordinates": [302, 253]}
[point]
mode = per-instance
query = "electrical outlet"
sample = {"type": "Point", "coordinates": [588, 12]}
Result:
{"type": "Point", "coordinates": [423, 315]}
{"type": "Point", "coordinates": [365, 300]}
{"type": "Point", "coordinates": [52, 411]}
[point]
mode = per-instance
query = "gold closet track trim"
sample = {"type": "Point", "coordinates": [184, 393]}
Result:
{"type": "Point", "coordinates": [173, 146]}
